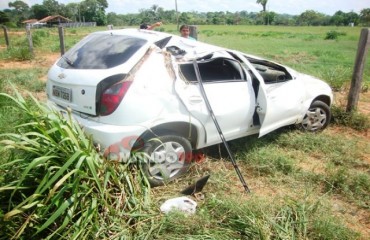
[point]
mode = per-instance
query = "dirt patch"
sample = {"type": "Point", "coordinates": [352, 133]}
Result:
{"type": "Point", "coordinates": [357, 219]}
{"type": "Point", "coordinates": [41, 61]}
{"type": "Point", "coordinates": [340, 99]}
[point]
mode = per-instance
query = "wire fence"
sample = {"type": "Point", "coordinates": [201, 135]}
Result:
{"type": "Point", "coordinates": [77, 24]}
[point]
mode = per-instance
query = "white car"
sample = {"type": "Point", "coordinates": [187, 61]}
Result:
{"type": "Point", "coordinates": [137, 93]}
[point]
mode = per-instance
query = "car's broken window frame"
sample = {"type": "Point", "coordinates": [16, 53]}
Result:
{"type": "Point", "coordinates": [205, 78]}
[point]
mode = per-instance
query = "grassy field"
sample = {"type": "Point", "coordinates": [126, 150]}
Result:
{"type": "Point", "coordinates": [303, 186]}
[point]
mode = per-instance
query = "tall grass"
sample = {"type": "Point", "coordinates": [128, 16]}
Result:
{"type": "Point", "coordinates": [57, 186]}
{"type": "Point", "coordinates": [224, 217]}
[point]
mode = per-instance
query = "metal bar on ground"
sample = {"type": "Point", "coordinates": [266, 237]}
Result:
{"type": "Point", "coordinates": [203, 92]}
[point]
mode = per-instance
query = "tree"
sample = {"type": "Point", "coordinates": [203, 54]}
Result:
{"type": "Point", "coordinates": [19, 6]}
{"type": "Point", "coordinates": [263, 3]}
{"type": "Point", "coordinates": [94, 11]}
{"type": "Point", "coordinates": [150, 15]}
{"type": "Point", "coordinates": [365, 16]}
{"type": "Point", "coordinates": [21, 10]}
{"type": "Point", "coordinates": [344, 19]}
{"type": "Point", "coordinates": [351, 17]}
{"type": "Point", "coordinates": [39, 11]}
{"type": "Point", "coordinates": [71, 11]}
{"type": "Point", "coordinates": [52, 6]}
{"type": "Point", "coordinates": [312, 18]}
{"type": "Point", "coordinates": [4, 17]}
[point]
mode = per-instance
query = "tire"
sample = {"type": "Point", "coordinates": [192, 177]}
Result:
{"type": "Point", "coordinates": [317, 117]}
{"type": "Point", "coordinates": [167, 158]}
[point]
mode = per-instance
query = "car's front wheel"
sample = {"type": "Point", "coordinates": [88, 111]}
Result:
{"type": "Point", "coordinates": [317, 117]}
{"type": "Point", "coordinates": [167, 158]}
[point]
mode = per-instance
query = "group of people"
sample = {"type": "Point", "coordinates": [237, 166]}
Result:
{"type": "Point", "coordinates": [184, 29]}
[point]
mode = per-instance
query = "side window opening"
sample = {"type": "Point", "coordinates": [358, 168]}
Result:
{"type": "Point", "coordinates": [214, 70]}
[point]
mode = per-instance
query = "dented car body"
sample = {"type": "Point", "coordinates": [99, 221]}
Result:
{"type": "Point", "coordinates": [136, 92]}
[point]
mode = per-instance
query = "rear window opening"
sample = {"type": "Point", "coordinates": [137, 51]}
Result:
{"type": "Point", "coordinates": [214, 70]}
{"type": "Point", "coordinates": [101, 52]}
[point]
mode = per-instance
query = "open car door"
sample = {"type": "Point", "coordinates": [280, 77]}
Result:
{"type": "Point", "coordinates": [279, 96]}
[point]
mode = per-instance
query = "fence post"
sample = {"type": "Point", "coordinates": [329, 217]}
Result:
{"type": "Point", "coordinates": [358, 70]}
{"type": "Point", "coordinates": [29, 37]}
{"type": "Point", "coordinates": [193, 31]}
{"type": "Point", "coordinates": [61, 40]}
{"type": "Point", "coordinates": [6, 36]}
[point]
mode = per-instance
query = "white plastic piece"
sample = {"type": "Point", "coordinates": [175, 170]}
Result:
{"type": "Point", "coordinates": [183, 204]}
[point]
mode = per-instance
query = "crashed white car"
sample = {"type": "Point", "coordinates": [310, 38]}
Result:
{"type": "Point", "coordinates": [137, 92]}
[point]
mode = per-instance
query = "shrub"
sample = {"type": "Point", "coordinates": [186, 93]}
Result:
{"type": "Point", "coordinates": [20, 53]}
{"type": "Point", "coordinates": [333, 35]}
{"type": "Point", "coordinates": [41, 33]}
{"type": "Point", "coordinates": [351, 119]}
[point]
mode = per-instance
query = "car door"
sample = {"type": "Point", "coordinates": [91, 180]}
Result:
{"type": "Point", "coordinates": [280, 96]}
{"type": "Point", "coordinates": [229, 93]}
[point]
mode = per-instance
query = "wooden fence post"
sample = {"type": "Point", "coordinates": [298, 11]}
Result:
{"type": "Point", "coordinates": [61, 40]}
{"type": "Point", "coordinates": [358, 70]}
{"type": "Point", "coordinates": [6, 36]}
{"type": "Point", "coordinates": [193, 31]}
{"type": "Point", "coordinates": [29, 37]}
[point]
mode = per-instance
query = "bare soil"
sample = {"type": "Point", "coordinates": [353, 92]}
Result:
{"type": "Point", "coordinates": [43, 61]}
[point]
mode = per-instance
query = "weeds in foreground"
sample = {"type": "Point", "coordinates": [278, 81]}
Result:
{"type": "Point", "coordinates": [57, 186]}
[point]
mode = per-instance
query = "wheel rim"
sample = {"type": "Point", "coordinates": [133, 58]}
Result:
{"type": "Point", "coordinates": [167, 160]}
{"type": "Point", "coordinates": [315, 119]}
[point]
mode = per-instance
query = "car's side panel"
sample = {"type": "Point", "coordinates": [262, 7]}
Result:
{"type": "Point", "coordinates": [232, 103]}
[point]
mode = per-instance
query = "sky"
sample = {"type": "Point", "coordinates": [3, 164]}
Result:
{"type": "Point", "coordinates": [293, 7]}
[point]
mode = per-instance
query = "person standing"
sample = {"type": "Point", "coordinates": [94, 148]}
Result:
{"type": "Point", "coordinates": [185, 32]}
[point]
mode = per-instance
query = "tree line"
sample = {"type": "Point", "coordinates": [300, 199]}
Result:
{"type": "Point", "coordinates": [95, 11]}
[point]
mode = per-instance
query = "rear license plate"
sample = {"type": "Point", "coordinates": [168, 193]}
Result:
{"type": "Point", "coordinates": [62, 93]}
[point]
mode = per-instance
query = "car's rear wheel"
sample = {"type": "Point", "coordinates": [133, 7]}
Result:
{"type": "Point", "coordinates": [167, 158]}
{"type": "Point", "coordinates": [317, 117]}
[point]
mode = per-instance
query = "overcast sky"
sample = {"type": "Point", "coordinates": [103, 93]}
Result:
{"type": "Point", "coordinates": [294, 7]}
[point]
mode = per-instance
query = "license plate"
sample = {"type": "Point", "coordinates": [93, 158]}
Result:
{"type": "Point", "coordinates": [62, 93]}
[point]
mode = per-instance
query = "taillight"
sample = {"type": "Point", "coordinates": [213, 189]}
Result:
{"type": "Point", "coordinates": [112, 97]}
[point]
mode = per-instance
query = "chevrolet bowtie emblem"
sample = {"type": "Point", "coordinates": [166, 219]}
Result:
{"type": "Point", "coordinates": [61, 76]}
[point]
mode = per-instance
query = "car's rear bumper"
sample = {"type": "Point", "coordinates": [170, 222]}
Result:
{"type": "Point", "coordinates": [115, 142]}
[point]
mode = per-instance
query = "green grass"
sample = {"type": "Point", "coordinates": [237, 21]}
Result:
{"type": "Point", "coordinates": [29, 79]}
{"type": "Point", "coordinates": [224, 217]}
{"type": "Point", "coordinates": [302, 48]}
